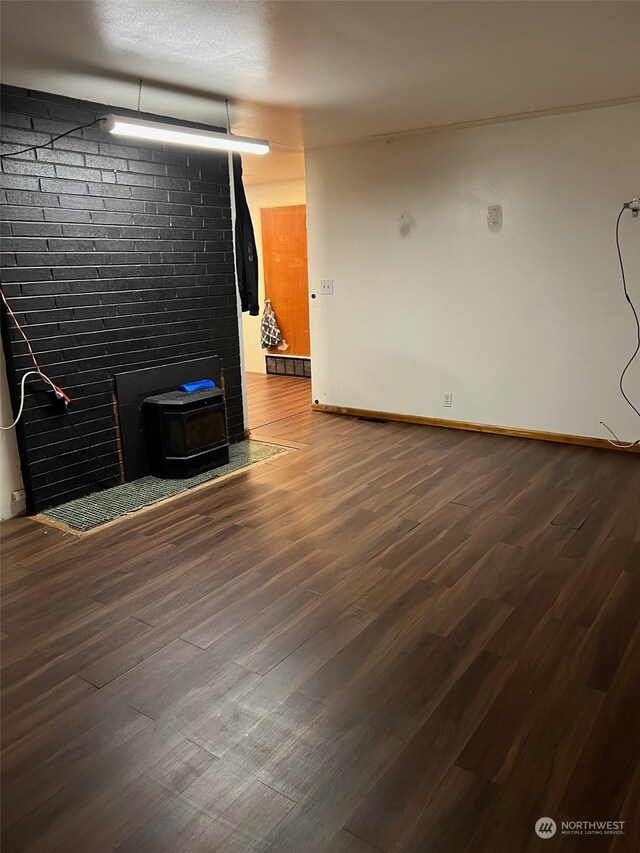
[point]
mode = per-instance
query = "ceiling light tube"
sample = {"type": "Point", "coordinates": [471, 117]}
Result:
{"type": "Point", "coordinates": [137, 128]}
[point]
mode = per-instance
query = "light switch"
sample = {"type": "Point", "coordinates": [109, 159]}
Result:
{"type": "Point", "coordinates": [326, 287]}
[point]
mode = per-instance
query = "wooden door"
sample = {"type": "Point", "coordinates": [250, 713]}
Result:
{"type": "Point", "coordinates": [284, 252]}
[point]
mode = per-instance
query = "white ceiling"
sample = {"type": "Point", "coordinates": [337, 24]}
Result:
{"type": "Point", "coordinates": [315, 74]}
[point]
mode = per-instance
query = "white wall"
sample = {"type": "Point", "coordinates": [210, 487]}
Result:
{"type": "Point", "coordinates": [280, 194]}
{"type": "Point", "coordinates": [527, 327]}
{"type": "Point", "coordinates": [10, 475]}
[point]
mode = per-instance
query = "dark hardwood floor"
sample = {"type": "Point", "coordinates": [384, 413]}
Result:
{"type": "Point", "coordinates": [396, 638]}
{"type": "Point", "coordinates": [272, 398]}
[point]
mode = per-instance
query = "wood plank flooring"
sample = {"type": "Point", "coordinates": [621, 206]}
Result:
{"type": "Point", "coordinates": [272, 398]}
{"type": "Point", "coordinates": [397, 638]}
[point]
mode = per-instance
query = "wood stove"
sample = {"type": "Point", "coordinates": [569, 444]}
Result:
{"type": "Point", "coordinates": [185, 432]}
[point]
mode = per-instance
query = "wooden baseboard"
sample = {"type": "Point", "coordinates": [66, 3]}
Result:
{"type": "Point", "coordinates": [539, 435]}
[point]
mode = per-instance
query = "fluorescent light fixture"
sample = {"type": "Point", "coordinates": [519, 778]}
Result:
{"type": "Point", "coordinates": [138, 128]}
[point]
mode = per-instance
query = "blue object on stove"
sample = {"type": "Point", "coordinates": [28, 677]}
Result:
{"type": "Point", "coordinates": [198, 385]}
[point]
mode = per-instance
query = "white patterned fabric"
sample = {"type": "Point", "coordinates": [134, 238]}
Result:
{"type": "Point", "coordinates": [270, 334]}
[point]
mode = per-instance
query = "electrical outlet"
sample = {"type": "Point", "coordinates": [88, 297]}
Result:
{"type": "Point", "coordinates": [494, 217]}
{"type": "Point", "coordinates": [326, 287]}
{"type": "Point", "coordinates": [18, 495]}
{"type": "Point", "coordinates": [447, 399]}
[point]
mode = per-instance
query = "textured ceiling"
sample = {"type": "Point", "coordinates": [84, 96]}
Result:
{"type": "Point", "coordinates": [314, 74]}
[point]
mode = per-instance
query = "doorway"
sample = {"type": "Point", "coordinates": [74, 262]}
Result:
{"type": "Point", "coordinates": [284, 249]}
{"type": "Point", "coordinates": [283, 388]}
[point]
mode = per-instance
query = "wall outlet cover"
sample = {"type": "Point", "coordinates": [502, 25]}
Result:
{"type": "Point", "coordinates": [494, 217]}
{"type": "Point", "coordinates": [447, 399]}
{"type": "Point", "coordinates": [326, 287]}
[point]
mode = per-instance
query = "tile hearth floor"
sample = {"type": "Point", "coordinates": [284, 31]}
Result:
{"type": "Point", "coordinates": [99, 508]}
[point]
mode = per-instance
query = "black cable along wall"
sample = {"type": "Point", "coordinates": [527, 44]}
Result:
{"type": "Point", "coordinates": [116, 255]}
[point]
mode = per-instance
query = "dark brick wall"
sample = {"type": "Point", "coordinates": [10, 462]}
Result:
{"type": "Point", "coordinates": [116, 255]}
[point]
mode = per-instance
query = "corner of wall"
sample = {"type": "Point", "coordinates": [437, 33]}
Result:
{"type": "Point", "coordinates": [10, 473]}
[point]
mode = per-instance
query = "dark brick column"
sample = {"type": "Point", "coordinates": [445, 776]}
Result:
{"type": "Point", "coordinates": [116, 255]}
